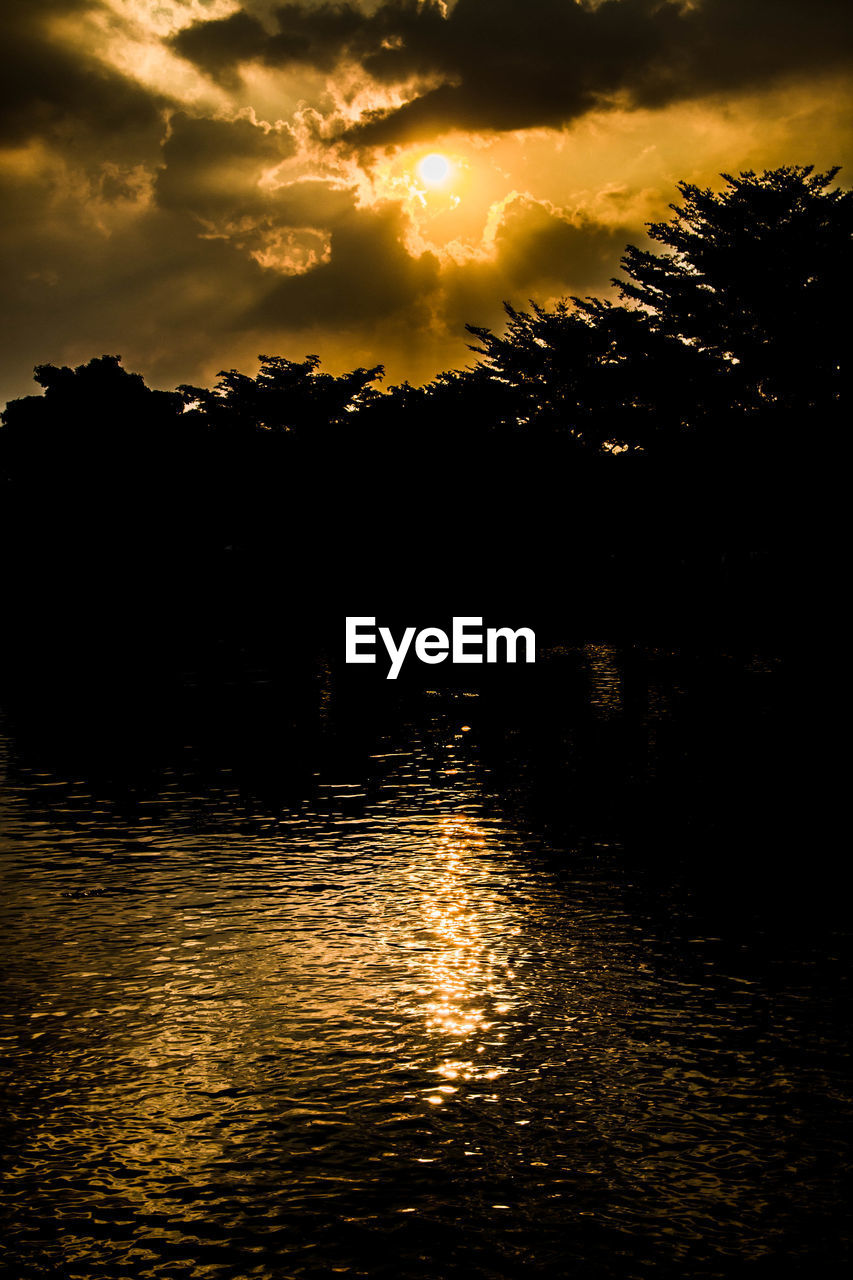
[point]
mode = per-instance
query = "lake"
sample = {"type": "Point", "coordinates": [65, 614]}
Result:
{"type": "Point", "coordinates": [403, 1017]}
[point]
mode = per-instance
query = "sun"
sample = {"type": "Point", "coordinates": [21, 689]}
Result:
{"type": "Point", "coordinates": [434, 169]}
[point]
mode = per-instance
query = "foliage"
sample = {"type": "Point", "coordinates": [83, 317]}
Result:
{"type": "Point", "coordinates": [601, 374]}
{"type": "Point", "coordinates": [756, 276]}
{"type": "Point", "coordinates": [717, 379]}
{"type": "Point", "coordinates": [286, 395]}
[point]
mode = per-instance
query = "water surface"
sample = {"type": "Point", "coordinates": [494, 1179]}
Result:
{"type": "Point", "coordinates": [390, 1032]}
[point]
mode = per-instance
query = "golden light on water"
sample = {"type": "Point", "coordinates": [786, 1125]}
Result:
{"type": "Point", "coordinates": [402, 1005]}
{"type": "Point", "coordinates": [467, 973]}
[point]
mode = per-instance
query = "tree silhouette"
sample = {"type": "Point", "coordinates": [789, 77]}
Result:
{"type": "Point", "coordinates": [736, 324]}
{"type": "Point", "coordinates": [604, 376]}
{"type": "Point", "coordinates": [755, 276]}
{"type": "Point", "coordinates": [286, 395]}
{"type": "Point", "coordinates": [665, 447]}
{"type": "Point", "coordinates": [92, 398]}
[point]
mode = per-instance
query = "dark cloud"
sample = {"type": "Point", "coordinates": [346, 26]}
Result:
{"type": "Point", "coordinates": [369, 276]}
{"type": "Point", "coordinates": [151, 289]}
{"type": "Point", "coordinates": [312, 202]}
{"type": "Point", "coordinates": [499, 65]}
{"type": "Point", "coordinates": [538, 252]}
{"type": "Point", "coordinates": [316, 35]}
{"type": "Point", "coordinates": [538, 246]}
{"type": "Point", "coordinates": [47, 88]}
{"type": "Point", "coordinates": [219, 46]}
{"type": "Point", "coordinates": [211, 167]}
{"type": "Point", "coordinates": [506, 66]}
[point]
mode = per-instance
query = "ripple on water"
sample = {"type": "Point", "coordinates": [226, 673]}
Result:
{"type": "Point", "coordinates": [335, 1043]}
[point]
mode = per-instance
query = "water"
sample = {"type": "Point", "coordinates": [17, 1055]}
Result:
{"type": "Point", "coordinates": [390, 1032]}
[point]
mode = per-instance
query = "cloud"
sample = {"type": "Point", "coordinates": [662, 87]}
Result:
{"type": "Point", "coordinates": [370, 275]}
{"type": "Point", "coordinates": [219, 46]}
{"type": "Point", "coordinates": [316, 35]}
{"type": "Point", "coordinates": [499, 65]}
{"type": "Point", "coordinates": [538, 245]}
{"type": "Point", "coordinates": [191, 227]}
{"type": "Point", "coordinates": [530, 249]}
{"type": "Point", "coordinates": [47, 87]}
{"type": "Point", "coordinates": [215, 166]}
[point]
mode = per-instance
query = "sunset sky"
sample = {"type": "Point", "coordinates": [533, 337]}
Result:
{"type": "Point", "coordinates": [194, 182]}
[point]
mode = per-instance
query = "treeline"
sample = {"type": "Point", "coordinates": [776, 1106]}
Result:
{"type": "Point", "coordinates": [634, 466]}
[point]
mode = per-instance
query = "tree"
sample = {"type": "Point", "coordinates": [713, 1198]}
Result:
{"type": "Point", "coordinates": [756, 276]}
{"type": "Point", "coordinates": [93, 422]}
{"type": "Point", "coordinates": [602, 375]}
{"type": "Point", "coordinates": [286, 395]}
{"type": "Point", "coordinates": [91, 398]}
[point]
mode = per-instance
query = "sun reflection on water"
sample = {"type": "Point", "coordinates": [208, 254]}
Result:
{"type": "Point", "coordinates": [388, 1002]}
{"type": "Point", "coordinates": [467, 967]}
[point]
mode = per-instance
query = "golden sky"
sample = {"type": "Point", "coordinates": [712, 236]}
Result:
{"type": "Point", "coordinates": [194, 182]}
